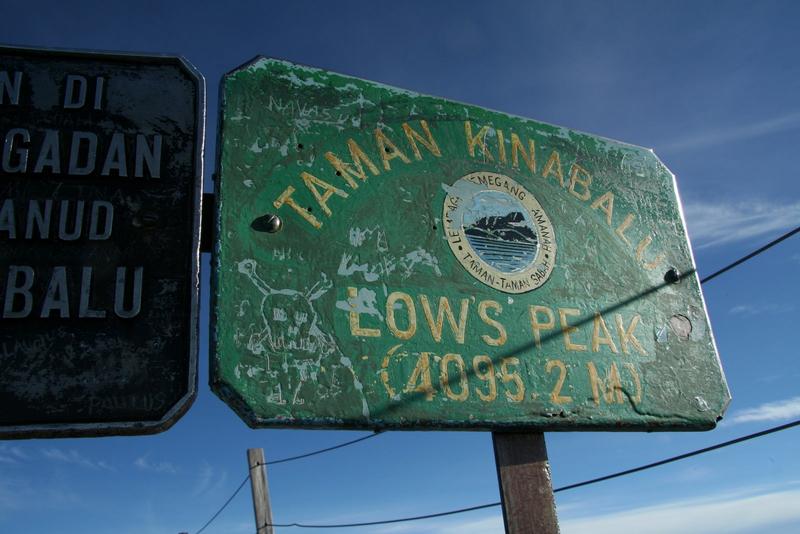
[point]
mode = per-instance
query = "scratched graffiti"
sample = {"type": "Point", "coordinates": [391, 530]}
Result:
{"type": "Point", "coordinates": [367, 241]}
{"type": "Point", "coordinates": [294, 344]}
{"type": "Point", "coordinates": [383, 298]}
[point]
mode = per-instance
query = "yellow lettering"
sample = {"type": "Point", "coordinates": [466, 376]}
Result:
{"type": "Point", "coordinates": [576, 171]}
{"type": "Point", "coordinates": [626, 336]}
{"type": "Point", "coordinates": [620, 231]}
{"type": "Point", "coordinates": [566, 329]}
{"type": "Point", "coordinates": [421, 374]}
{"type": "Point", "coordinates": [312, 182]}
{"type": "Point", "coordinates": [637, 384]}
{"type": "Point", "coordinates": [409, 332]}
{"type": "Point", "coordinates": [350, 170]}
{"type": "Point", "coordinates": [501, 146]}
{"type": "Point", "coordinates": [444, 377]}
{"type": "Point", "coordinates": [502, 336]}
{"type": "Point", "coordinates": [537, 326]}
{"type": "Point", "coordinates": [413, 137]}
{"type": "Point", "coordinates": [605, 339]}
{"type": "Point", "coordinates": [606, 204]}
{"type": "Point", "coordinates": [611, 387]}
{"type": "Point", "coordinates": [553, 166]}
{"type": "Point", "coordinates": [512, 376]}
{"type": "Point", "coordinates": [388, 150]}
{"type": "Point", "coordinates": [528, 157]}
{"type": "Point", "coordinates": [384, 372]}
{"type": "Point", "coordinates": [459, 329]}
{"type": "Point", "coordinates": [355, 321]}
{"type": "Point", "coordinates": [555, 396]}
{"type": "Point", "coordinates": [487, 376]}
{"type": "Point", "coordinates": [286, 198]}
{"type": "Point", "coordinates": [474, 140]}
{"type": "Point", "coordinates": [643, 244]}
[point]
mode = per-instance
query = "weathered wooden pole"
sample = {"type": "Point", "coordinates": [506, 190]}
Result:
{"type": "Point", "coordinates": [526, 490]}
{"type": "Point", "coordinates": [260, 489]}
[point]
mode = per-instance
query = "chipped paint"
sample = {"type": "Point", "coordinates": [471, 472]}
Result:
{"type": "Point", "coordinates": [363, 303]}
{"type": "Point", "coordinates": [371, 308]}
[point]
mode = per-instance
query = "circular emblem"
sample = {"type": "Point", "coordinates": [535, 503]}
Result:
{"type": "Point", "coordinates": [499, 232]}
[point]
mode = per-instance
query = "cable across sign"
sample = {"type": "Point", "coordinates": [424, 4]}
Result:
{"type": "Point", "coordinates": [386, 259]}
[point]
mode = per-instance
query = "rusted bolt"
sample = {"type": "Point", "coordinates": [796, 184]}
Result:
{"type": "Point", "coordinates": [672, 276]}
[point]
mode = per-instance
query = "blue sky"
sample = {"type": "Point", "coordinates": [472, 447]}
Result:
{"type": "Point", "coordinates": [712, 88]}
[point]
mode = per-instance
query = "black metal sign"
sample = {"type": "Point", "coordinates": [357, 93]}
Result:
{"type": "Point", "coordinates": [100, 188]}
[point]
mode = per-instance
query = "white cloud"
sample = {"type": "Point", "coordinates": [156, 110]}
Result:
{"type": "Point", "coordinates": [14, 494]}
{"type": "Point", "coordinates": [771, 411]}
{"type": "Point", "coordinates": [448, 525]}
{"type": "Point", "coordinates": [12, 455]}
{"type": "Point", "coordinates": [761, 309]}
{"type": "Point", "coordinates": [718, 223]}
{"type": "Point", "coordinates": [711, 138]}
{"type": "Point", "coordinates": [752, 510]}
{"type": "Point", "coordinates": [719, 514]}
{"type": "Point", "coordinates": [144, 463]}
{"type": "Point", "coordinates": [73, 457]}
{"type": "Point", "coordinates": [209, 480]}
{"type": "Point", "coordinates": [21, 494]}
{"type": "Point", "coordinates": [693, 474]}
{"type": "Point", "coordinates": [487, 525]}
{"type": "Point", "coordinates": [205, 476]}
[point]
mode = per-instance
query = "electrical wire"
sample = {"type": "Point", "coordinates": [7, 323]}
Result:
{"type": "Point", "coordinates": [282, 460]}
{"type": "Point", "coordinates": [564, 488]}
{"type": "Point", "coordinates": [645, 467]}
{"type": "Point", "coordinates": [213, 517]}
{"type": "Point", "coordinates": [320, 451]}
{"type": "Point", "coordinates": [753, 254]}
{"type": "Point", "coordinates": [697, 452]}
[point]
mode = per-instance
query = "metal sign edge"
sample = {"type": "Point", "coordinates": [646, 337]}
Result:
{"type": "Point", "coordinates": [679, 202]}
{"type": "Point", "coordinates": [231, 398]}
{"type": "Point", "coordinates": [67, 430]}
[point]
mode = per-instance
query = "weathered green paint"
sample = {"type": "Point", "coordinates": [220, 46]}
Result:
{"type": "Point", "coordinates": [302, 332]}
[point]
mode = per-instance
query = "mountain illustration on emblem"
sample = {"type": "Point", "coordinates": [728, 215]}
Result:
{"type": "Point", "coordinates": [506, 242]}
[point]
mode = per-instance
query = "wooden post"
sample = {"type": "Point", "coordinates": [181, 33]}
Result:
{"type": "Point", "coordinates": [526, 491]}
{"type": "Point", "coordinates": [258, 484]}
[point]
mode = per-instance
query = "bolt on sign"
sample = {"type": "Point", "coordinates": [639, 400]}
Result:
{"type": "Point", "coordinates": [386, 259]}
{"type": "Point", "coordinates": [99, 224]}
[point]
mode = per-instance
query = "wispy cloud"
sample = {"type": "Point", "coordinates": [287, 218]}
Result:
{"type": "Point", "coordinates": [761, 309]}
{"type": "Point", "coordinates": [771, 411]}
{"type": "Point", "coordinates": [12, 455]}
{"type": "Point", "coordinates": [452, 525]}
{"type": "Point", "coordinates": [693, 474]}
{"type": "Point", "coordinates": [75, 458]}
{"type": "Point", "coordinates": [24, 494]}
{"type": "Point", "coordinates": [718, 514]}
{"type": "Point", "coordinates": [743, 132]}
{"type": "Point", "coordinates": [719, 223]}
{"type": "Point", "coordinates": [145, 464]}
{"type": "Point", "coordinates": [487, 525]}
{"type": "Point", "coordinates": [14, 494]}
{"type": "Point", "coordinates": [209, 480]}
{"type": "Point", "coordinates": [752, 510]}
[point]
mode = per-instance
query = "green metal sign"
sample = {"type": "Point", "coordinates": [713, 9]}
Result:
{"type": "Point", "coordinates": [389, 259]}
